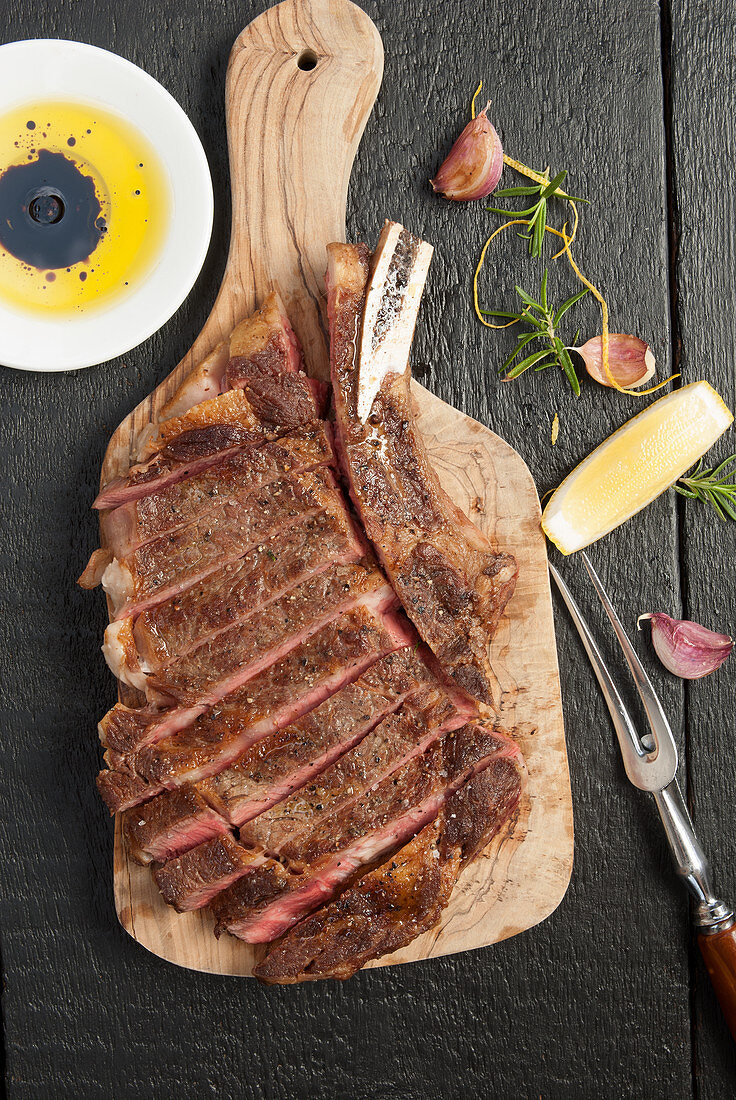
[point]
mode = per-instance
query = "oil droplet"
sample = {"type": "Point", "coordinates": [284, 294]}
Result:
{"type": "Point", "coordinates": [31, 125]}
{"type": "Point", "coordinates": [82, 275]}
{"type": "Point", "coordinates": [50, 276]}
{"type": "Point", "coordinates": [69, 141]}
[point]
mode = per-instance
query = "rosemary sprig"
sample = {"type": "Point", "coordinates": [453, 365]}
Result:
{"type": "Point", "coordinates": [712, 486]}
{"type": "Point", "coordinates": [543, 321]}
{"type": "Point", "coordinates": [537, 214]}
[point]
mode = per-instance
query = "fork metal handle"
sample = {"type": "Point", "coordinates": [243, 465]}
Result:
{"type": "Point", "coordinates": [691, 863]}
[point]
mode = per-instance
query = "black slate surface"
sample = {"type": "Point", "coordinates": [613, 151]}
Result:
{"type": "Point", "coordinates": [608, 997]}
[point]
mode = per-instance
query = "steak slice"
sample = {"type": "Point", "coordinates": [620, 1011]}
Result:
{"type": "Point", "coordinates": [386, 909]}
{"type": "Point", "coordinates": [230, 410]}
{"type": "Point", "coordinates": [171, 824]}
{"type": "Point", "coordinates": [389, 746]}
{"type": "Point", "coordinates": [171, 563]}
{"type": "Point", "coordinates": [452, 583]}
{"type": "Point", "coordinates": [352, 815]}
{"type": "Point", "coordinates": [230, 659]}
{"type": "Point", "coordinates": [191, 880]}
{"type": "Point", "coordinates": [238, 591]}
{"type": "Point", "coordinates": [276, 766]}
{"type": "Point", "coordinates": [405, 896]}
{"type": "Point", "coordinates": [226, 671]}
{"type": "Point", "coordinates": [167, 509]}
{"type": "Point", "coordinates": [386, 818]}
{"type": "Point", "coordinates": [265, 362]}
{"type": "Point", "coordinates": [335, 656]}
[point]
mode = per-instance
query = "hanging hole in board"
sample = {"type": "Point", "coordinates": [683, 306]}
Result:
{"type": "Point", "coordinates": [307, 60]}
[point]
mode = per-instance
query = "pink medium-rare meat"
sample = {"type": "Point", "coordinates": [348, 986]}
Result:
{"type": "Point", "coordinates": [452, 583]}
{"type": "Point", "coordinates": [335, 656]}
{"type": "Point", "coordinates": [222, 665]}
{"type": "Point", "coordinates": [390, 814]}
{"type": "Point", "coordinates": [167, 509]}
{"type": "Point", "coordinates": [359, 631]}
{"type": "Point", "coordinates": [172, 563]}
{"type": "Point", "coordinates": [392, 905]}
{"type": "Point", "coordinates": [277, 765]}
{"type": "Point", "coordinates": [198, 861]}
{"type": "Point", "coordinates": [398, 738]}
{"type": "Point", "coordinates": [170, 824]}
{"type": "Point", "coordinates": [268, 328]}
{"type": "Point", "coordinates": [189, 881]}
{"type": "Point", "coordinates": [238, 591]}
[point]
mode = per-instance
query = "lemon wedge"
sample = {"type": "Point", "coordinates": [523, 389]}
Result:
{"type": "Point", "coordinates": [634, 465]}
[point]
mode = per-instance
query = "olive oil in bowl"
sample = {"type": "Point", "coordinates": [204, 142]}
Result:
{"type": "Point", "coordinates": [85, 207]}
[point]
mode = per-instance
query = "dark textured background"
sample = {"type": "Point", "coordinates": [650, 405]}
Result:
{"type": "Point", "coordinates": [608, 997]}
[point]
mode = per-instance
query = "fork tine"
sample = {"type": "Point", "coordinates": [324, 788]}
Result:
{"type": "Point", "coordinates": [665, 751]}
{"type": "Point", "coordinates": [634, 756]}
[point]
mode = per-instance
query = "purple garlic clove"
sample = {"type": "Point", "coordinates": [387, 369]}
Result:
{"type": "Point", "coordinates": [687, 649]}
{"type": "Point", "coordinates": [473, 166]}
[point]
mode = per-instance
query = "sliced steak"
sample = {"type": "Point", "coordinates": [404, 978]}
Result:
{"type": "Point", "coordinates": [230, 410]}
{"type": "Point", "coordinates": [386, 909]}
{"type": "Point", "coordinates": [276, 766]}
{"type": "Point", "coordinates": [265, 362]}
{"type": "Point", "coordinates": [191, 880]}
{"type": "Point", "coordinates": [171, 824]}
{"type": "Point", "coordinates": [335, 656]}
{"type": "Point", "coordinates": [284, 829]}
{"type": "Point", "coordinates": [225, 662]}
{"type": "Point", "coordinates": [171, 563]}
{"type": "Point", "coordinates": [266, 341]}
{"type": "Point", "coordinates": [446, 573]}
{"type": "Point", "coordinates": [402, 898]}
{"type": "Point", "coordinates": [236, 592]}
{"type": "Point", "coordinates": [364, 834]}
{"type": "Point", "coordinates": [167, 509]}
{"type": "Point", "coordinates": [236, 656]}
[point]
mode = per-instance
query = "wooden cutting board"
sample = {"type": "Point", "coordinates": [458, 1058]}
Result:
{"type": "Point", "coordinates": [301, 83]}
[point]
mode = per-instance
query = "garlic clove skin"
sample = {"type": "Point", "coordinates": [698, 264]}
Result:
{"type": "Point", "coordinates": [687, 649]}
{"type": "Point", "coordinates": [474, 165]}
{"type": "Point", "coordinates": [630, 360]}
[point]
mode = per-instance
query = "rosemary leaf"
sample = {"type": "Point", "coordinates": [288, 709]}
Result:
{"type": "Point", "coordinates": [712, 486]}
{"type": "Point", "coordinates": [540, 317]}
{"type": "Point", "coordinates": [526, 363]}
{"type": "Point", "coordinates": [508, 191]}
{"type": "Point", "coordinates": [567, 305]}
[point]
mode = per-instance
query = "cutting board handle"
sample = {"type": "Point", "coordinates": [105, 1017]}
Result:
{"type": "Point", "coordinates": [301, 82]}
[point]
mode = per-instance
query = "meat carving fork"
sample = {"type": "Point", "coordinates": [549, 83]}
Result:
{"type": "Point", "coordinates": [651, 765]}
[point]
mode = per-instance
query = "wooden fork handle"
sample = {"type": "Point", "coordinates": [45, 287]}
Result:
{"type": "Point", "coordinates": [719, 953]}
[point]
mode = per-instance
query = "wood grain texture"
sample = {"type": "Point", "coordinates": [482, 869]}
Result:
{"type": "Point", "coordinates": [595, 1001]}
{"type": "Point", "coordinates": [292, 136]}
{"type": "Point", "coordinates": [719, 955]}
{"type": "Point", "coordinates": [523, 875]}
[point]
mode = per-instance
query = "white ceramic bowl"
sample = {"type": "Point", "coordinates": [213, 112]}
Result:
{"type": "Point", "coordinates": [47, 69]}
